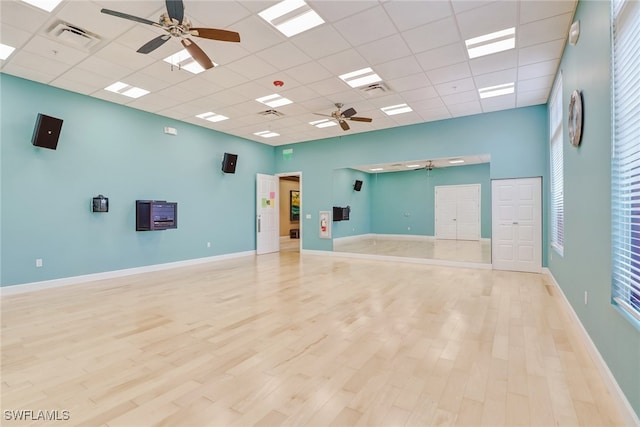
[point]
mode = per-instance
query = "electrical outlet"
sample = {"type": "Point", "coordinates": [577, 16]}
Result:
{"type": "Point", "coordinates": [39, 262]}
{"type": "Point", "coordinates": [586, 297]}
{"type": "Point", "coordinates": [208, 244]}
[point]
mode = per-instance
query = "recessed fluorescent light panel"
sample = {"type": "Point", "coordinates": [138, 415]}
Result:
{"type": "Point", "coordinates": [291, 17]}
{"type": "Point", "coordinates": [47, 5]}
{"type": "Point", "coordinates": [396, 109]}
{"type": "Point", "coordinates": [376, 169]}
{"type": "Point", "coordinates": [212, 117]}
{"type": "Point", "coordinates": [126, 90]}
{"type": "Point", "coordinates": [274, 100]}
{"type": "Point", "coordinates": [267, 134]}
{"type": "Point", "coordinates": [491, 43]}
{"type": "Point", "coordinates": [498, 90]}
{"type": "Point", "coordinates": [5, 51]}
{"type": "Point", "coordinates": [413, 166]}
{"type": "Point", "coordinates": [184, 61]}
{"type": "Point", "coordinates": [363, 77]}
{"type": "Point", "coordinates": [456, 161]}
{"type": "Point", "coordinates": [323, 123]}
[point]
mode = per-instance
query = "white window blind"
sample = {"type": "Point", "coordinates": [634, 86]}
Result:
{"type": "Point", "coordinates": [557, 168]}
{"type": "Point", "coordinates": [625, 166]}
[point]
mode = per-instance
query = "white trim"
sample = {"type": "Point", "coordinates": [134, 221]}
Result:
{"type": "Point", "coordinates": [439, 262]}
{"type": "Point", "coordinates": [356, 238]}
{"type": "Point", "coordinates": [409, 237]}
{"type": "Point", "coordinates": [55, 283]}
{"type": "Point", "coordinates": [619, 399]}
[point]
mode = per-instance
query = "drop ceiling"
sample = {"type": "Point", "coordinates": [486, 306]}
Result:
{"type": "Point", "coordinates": [416, 47]}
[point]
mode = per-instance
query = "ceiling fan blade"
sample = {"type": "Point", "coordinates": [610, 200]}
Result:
{"type": "Point", "coordinates": [361, 119]}
{"type": "Point", "coordinates": [324, 115]}
{"type": "Point", "coordinates": [214, 34]}
{"type": "Point", "coordinates": [152, 45]}
{"type": "Point", "coordinates": [348, 112]}
{"type": "Point", "coordinates": [197, 54]}
{"type": "Point", "coordinates": [175, 9]}
{"type": "Point", "coordinates": [344, 125]}
{"type": "Point", "coordinates": [130, 17]}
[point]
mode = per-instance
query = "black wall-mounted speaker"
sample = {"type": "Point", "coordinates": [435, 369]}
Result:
{"type": "Point", "coordinates": [358, 185]}
{"type": "Point", "coordinates": [229, 163]}
{"type": "Point", "coordinates": [46, 132]}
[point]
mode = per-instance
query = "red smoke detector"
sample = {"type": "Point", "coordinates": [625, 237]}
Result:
{"type": "Point", "coordinates": [278, 83]}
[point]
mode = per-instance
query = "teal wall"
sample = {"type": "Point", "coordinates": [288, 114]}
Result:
{"type": "Point", "coordinates": [516, 140]}
{"type": "Point", "coordinates": [120, 152]}
{"type": "Point", "coordinates": [586, 264]}
{"type": "Point", "coordinates": [404, 203]}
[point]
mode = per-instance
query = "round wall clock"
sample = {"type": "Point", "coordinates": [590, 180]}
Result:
{"type": "Point", "coordinates": [575, 118]}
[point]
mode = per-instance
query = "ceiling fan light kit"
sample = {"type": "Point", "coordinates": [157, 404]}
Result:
{"type": "Point", "coordinates": [174, 23]}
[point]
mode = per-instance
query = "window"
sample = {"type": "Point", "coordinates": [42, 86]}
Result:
{"type": "Point", "coordinates": [625, 165]}
{"type": "Point", "coordinates": [557, 172]}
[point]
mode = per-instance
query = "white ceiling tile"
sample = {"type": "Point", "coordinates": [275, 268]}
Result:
{"type": "Point", "coordinates": [87, 15]}
{"type": "Point", "coordinates": [412, 82]}
{"type": "Point", "coordinates": [536, 97]}
{"type": "Point", "coordinates": [252, 67]}
{"type": "Point", "coordinates": [256, 34]}
{"type": "Point", "coordinates": [48, 48]}
{"type": "Point", "coordinates": [320, 41]}
{"type": "Point", "coordinates": [398, 68]}
{"type": "Point", "coordinates": [330, 13]}
{"type": "Point", "coordinates": [13, 36]}
{"type": "Point", "coordinates": [418, 95]}
{"type": "Point", "coordinates": [153, 102]}
{"type": "Point", "coordinates": [178, 93]}
{"type": "Point", "coordinates": [541, 52]}
{"type": "Point", "coordinates": [489, 18]}
{"type": "Point", "coordinates": [223, 76]}
{"type": "Point", "coordinates": [15, 12]}
{"type": "Point", "coordinates": [465, 109]}
{"type": "Point", "coordinates": [114, 70]}
{"type": "Point", "coordinates": [540, 9]}
{"type": "Point", "coordinates": [222, 52]}
{"type": "Point", "coordinates": [539, 69]}
{"type": "Point", "coordinates": [369, 25]}
{"type": "Point", "coordinates": [427, 104]}
{"type": "Point", "coordinates": [461, 98]}
{"type": "Point", "coordinates": [449, 73]}
{"type": "Point", "coordinates": [406, 15]}
{"type": "Point", "coordinates": [496, 78]}
{"type": "Point", "coordinates": [496, 62]}
{"type": "Point", "coordinates": [117, 53]}
{"type": "Point", "coordinates": [454, 87]}
{"type": "Point", "coordinates": [283, 56]}
{"type": "Point", "coordinates": [344, 62]}
{"type": "Point", "coordinates": [85, 79]}
{"type": "Point", "coordinates": [46, 67]}
{"type": "Point", "coordinates": [299, 94]}
{"type": "Point", "coordinates": [431, 36]}
{"type": "Point", "coordinates": [534, 84]}
{"type": "Point", "coordinates": [498, 103]}
{"type": "Point", "coordinates": [460, 6]}
{"type": "Point", "coordinates": [309, 72]}
{"type": "Point", "coordinates": [385, 49]}
{"type": "Point", "coordinates": [545, 30]}
{"type": "Point", "coordinates": [435, 114]}
{"type": "Point", "coordinates": [73, 85]}
{"type": "Point", "coordinates": [442, 56]}
{"type": "Point", "coordinates": [220, 14]}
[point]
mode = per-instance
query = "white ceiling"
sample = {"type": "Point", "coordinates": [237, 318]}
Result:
{"type": "Point", "coordinates": [421, 164]}
{"type": "Point", "coordinates": [416, 46]}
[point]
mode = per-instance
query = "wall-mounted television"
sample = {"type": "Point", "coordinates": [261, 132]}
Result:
{"type": "Point", "coordinates": [340, 213]}
{"type": "Point", "coordinates": [156, 215]}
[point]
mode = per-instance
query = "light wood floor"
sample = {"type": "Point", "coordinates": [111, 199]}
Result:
{"type": "Point", "coordinates": [447, 250]}
{"type": "Point", "coordinates": [285, 339]}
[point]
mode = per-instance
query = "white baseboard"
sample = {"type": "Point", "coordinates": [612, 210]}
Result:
{"type": "Point", "coordinates": [65, 281]}
{"type": "Point", "coordinates": [620, 400]}
{"type": "Point", "coordinates": [356, 238]}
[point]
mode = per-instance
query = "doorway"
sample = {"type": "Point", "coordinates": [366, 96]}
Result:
{"type": "Point", "coordinates": [290, 233]}
{"type": "Point", "coordinates": [457, 212]}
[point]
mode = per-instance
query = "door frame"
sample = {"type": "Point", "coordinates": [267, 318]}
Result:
{"type": "Point", "coordinates": [299, 175]}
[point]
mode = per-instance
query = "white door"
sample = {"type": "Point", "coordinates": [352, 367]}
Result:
{"type": "Point", "coordinates": [457, 212]}
{"type": "Point", "coordinates": [267, 215]}
{"type": "Point", "coordinates": [517, 224]}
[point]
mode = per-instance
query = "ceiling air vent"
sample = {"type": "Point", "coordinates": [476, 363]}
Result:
{"type": "Point", "coordinates": [72, 35]}
{"type": "Point", "coordinates": [271, 113]}
{"type": "Point", "coordinates": [374, 89]}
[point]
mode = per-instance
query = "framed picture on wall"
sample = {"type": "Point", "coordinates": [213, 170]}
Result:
{"type": "Point", "coordinates": [294, 202]}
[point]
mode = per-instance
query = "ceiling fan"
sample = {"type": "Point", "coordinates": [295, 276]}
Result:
{"type": "Point", "coordinates": [342, 116]}
{"type": "Point", "coordinates": [176, 24]}
{"type": "Point", "coordinates": [429, 166]}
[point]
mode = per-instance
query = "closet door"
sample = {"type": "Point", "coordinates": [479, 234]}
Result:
{"type": "Point", "coordinates": [516, 224]}
{"type": "Point", "coordinates": [457, 212]}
